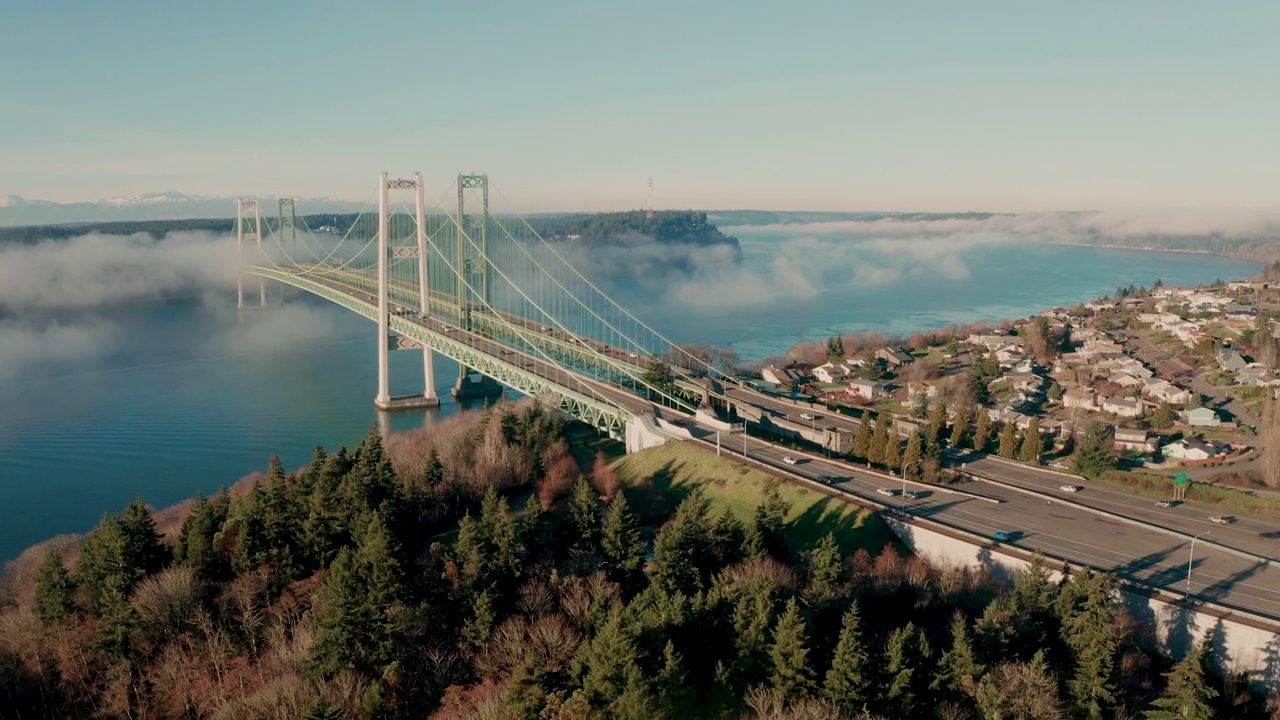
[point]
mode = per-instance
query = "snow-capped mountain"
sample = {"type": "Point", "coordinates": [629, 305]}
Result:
{"type": "Point", "coordinates": [17, 210]}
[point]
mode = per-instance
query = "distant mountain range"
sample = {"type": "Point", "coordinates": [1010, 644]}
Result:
{"type": "Point", "coordinates": [16, 210]}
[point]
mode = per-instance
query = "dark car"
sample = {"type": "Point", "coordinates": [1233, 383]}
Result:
{"type": "Point", "coordinates": [1005, 535]}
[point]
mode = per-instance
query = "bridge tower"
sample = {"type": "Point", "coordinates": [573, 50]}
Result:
{"type": "Point", "coordinates": [243, 209]}
{"type": "Point", "coordinates": [428, 398]}
{"type": "Point", "coordinates": [475, 273]}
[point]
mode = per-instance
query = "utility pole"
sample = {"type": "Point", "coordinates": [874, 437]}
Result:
{"type": "Point", "coordinates": [1190, 559]}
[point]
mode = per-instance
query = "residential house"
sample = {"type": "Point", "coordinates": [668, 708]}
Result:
{"type": "Point", "coordinates": [1257, 377]}
{"type": "Point", "coordinates": [895, 357]}
{"type": "Point", "coordinates": [1230, 360]}
{"type": "Point", "coordinates": [1201, 417]}
{"type": "Point", "coordinates": [1080, 397]}
{"type": "Point", "coordinates": [1190, 449]}
{"type": "Point", "coordinates": [832, 372]}
{"type": "Point", "coordinates": [782, 376]}
{"type": "Point", "coordinates": [1009, 355]}
{"type": "Point", "coordinates": [1122, 407]}
{"type": "Point", "coordinates": [1162, 391]}
{"type": "Point", "coordinates": [914, 388]}
{"type": "Point", "coordinates": [1135, 439]}
{"type": "Point", "coordinates": [1124, 379]}
{"type": "Point", "coordinates": [993, 340]}
{"type": "Point", "coordinates": [869, 389]}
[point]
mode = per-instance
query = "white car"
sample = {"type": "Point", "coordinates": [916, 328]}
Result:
{"type": "Point", "coordinates": [1164, 504]}
{"type": "Point", "coordinates": [1221, 519]}
{"type": "Point", "coordinates": [789, 460]}
{"type": "Point", "coordinates": [807, 416]}
{"type": "Point", "coordinates": [886, 492]}
{"type": "Point", "coordinates": [1069, 488]}
{"type": "Point", "coordinates": [909, 495]}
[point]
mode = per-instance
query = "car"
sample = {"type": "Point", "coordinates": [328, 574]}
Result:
{"type": "Point", "coordinates": [886, 492]}
{"type": "Point", "coordinates": [678, 422]}
{"type": "Point", "coordinates": [1164, 504]}
{"type": "Point", "coordinates": [1069, 488]}
{"type": "Point", "coordinates": [828, 479]}
{"type": "Point", "coordinates": [789, 460]}
{"type": "Point", "coordinates": [633, 355]}
{"type": "Point", "coordinates": [1272, 535]}
{"type": "Point", "coordinates": [909, 495]}
{"type": "Point", "coordinates": [1221, 519]}
{"type": "Point", "coordinates": [807, 416]}
{"type": "Point", "coordinates": [1004, 535]}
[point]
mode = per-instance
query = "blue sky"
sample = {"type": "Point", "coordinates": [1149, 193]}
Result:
{"type": "Point", "coordinates": [574, 105]}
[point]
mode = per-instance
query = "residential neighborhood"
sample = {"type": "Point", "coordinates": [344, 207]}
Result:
{"type": "Point", "coordinates": [1175, 375]}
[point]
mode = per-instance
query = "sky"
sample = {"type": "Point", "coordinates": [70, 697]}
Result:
{"type": "Point", "coordinates": [946, 106]}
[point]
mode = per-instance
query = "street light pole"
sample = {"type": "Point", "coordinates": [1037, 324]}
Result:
{"type": "Point", "coordinates": [1190, 559]}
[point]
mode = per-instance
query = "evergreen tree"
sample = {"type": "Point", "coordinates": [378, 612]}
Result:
{"type": "Point", "coordinates": [584, 517]}
{"type": "Point", "coordinates": [892, 455]}
{"type": "Point", "coordinates": [937, 423]}
{"type": "Point", "coordinates": [500, 540]}
{"type": "Point", "coordinates": [771, 519]}
{"type": "Point", "coordinates": [982, 431]}
{"type": "Point", "coordinates": [433, 472]}
{"type": "Point", "coordinates": [849, 680]}
{"type": "Point", "coordinates": [1163, 418]}
{"type": "Point", "coordinates": [675, 694]}
{"type": "Point", "coordinates": [862, 439]}
{"type": "Point", "coordinates": [730, 538]}
{"type": "Point", "coordinates": [53, 589]}
{"type": "Point", "coordinates": [321, 710]}
{"type": "Point", "coordinates": [535, 528]}
{"type": "Point", "coordinates": [606, 662]}
{"type": "Point", "coordinates": [905, 674]}
{"type": "Point", "coordinates": [826, 569]}
{"type": "Point", "coordinates": [1032, 443]}
{"type": "Point", "coordinates": [1088, 629]}
{"type": "Point", "coordinates": [879, 438]}
{"type": "Point", "coordinates": [356, 623]}
{"type": "Point", "coordinates": [1008, 441]}
{"type": "Point", "coordinates": [920, 405]}
{"type": "Point", "coordinates": [681, 550]}
{"type": "Point", "coordinates": [960, 427]}
{"type": "Point", "coordinates": [1096, 454]}
{"type": "Point", "coordinates": [790, 654]}
{"type": "Point", "coordinates": [1189, 695]}
{"type": "Point", "coordinates": [959, 669]}
{"type": "Point", "coordinates": [479, 627]}
{"type": "Point", "coordinates": [199, 531]}
{"type": "Point", "coordinates": [118, 554]}
{"type": "Point", "coordinates": [913, 457]}
{"type": "Point", "coordinates": [621, 545]}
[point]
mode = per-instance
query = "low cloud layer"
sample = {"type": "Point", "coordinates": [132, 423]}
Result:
{"type": "Point", "coordinates": [27, 347]}
{"type": "Point", "coordinates": [1054, 226]}
{"type": "Point", "coordinates": [93, 270]}
{"type": "Point", "coordinates": [278, 328]}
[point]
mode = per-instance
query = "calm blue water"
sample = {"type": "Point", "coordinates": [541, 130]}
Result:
{"type": "Point", "coordinates": [177, 396]}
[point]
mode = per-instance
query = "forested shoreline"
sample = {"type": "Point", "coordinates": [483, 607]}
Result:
{"type": "Point", "coordinates": [360, 586]}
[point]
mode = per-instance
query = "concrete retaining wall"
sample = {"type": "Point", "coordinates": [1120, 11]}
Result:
{"type": "Point", "coordinates": [1242, 643]}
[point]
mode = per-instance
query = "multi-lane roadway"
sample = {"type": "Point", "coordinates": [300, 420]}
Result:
{"type": "Point", "coordinates": [1059, 528]}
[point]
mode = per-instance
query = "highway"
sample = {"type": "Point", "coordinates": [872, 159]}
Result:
{"type": "Point", "coordinates": [1243, 533]}
{"type": "Point", "coordinates": [1133, 553]}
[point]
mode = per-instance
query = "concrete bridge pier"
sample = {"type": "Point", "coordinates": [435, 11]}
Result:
{"type": "Point", "coordinates": [472, 385]}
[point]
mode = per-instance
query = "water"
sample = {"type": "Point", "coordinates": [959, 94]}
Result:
{"type": "Point", "coordinates": [181, 395]}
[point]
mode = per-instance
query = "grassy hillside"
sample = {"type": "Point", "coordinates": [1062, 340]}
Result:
{"type": "Point", "coordinates": [665, 475]}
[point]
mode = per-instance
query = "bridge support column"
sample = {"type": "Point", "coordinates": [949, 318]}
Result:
{"type": "Point", "coordinates": [242, 206]}
{"type": "Point", "coordinates": [383, 399]}
{"type": "Point", "coordinates": [474, 385]}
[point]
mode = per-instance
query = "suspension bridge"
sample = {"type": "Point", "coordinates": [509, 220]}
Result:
{"type": "Point", "coordinates": [485, 289]}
